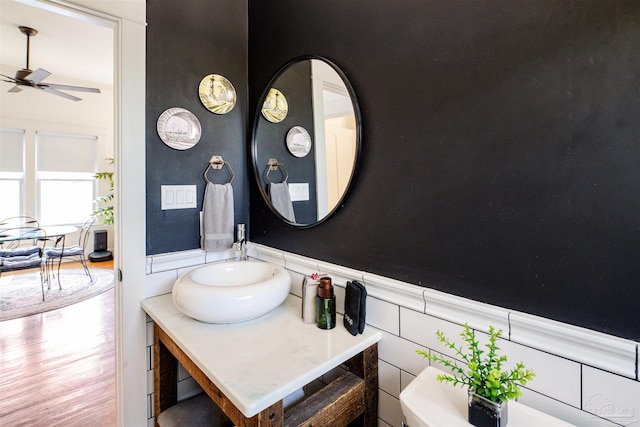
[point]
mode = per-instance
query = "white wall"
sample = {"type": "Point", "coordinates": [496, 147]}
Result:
{"type": "Point", "coordinates": [582, 376]}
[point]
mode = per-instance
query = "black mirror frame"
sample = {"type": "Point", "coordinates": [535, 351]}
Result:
{"type": "Point", "coordinates": [254, 144]}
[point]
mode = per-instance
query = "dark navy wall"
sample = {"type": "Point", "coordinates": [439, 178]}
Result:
{"type": "Point", "coordinates": [500, 152]}
{"type": "Point", "coordinates": [186, 41]}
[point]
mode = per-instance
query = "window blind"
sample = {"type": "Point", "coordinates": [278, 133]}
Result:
{"type": "Point", "coordinates": [12, 150]}
{"type": "Point", "coordinates": [57, 152]}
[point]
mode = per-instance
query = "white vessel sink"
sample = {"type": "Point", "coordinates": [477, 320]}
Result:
{"type": "Point", "coordinates": [231, 292]}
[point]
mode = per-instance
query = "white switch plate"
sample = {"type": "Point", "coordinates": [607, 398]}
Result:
{"type": "Point", "coordinates": [299, 191]}
{"type": "Point", "coordinates": [178, 197]}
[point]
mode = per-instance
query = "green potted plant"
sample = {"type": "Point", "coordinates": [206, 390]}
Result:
{"type": "Point", "coordinates": [490, 386]}
{"type": "Point", "coordinates": [104, 203]}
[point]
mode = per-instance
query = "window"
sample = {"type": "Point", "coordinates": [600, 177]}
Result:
{"type": "Point", "coordinates": [65, 169]}
{"type": "Point", "coordinates": [11, 172]}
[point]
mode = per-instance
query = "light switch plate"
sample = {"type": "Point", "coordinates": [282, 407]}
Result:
{"type": "Point", "coordinates": [178, 197]}
{"type": "Point", "coordinates": [299, 191]}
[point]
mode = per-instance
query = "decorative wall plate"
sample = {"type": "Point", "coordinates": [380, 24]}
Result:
{"type": "Point", "coordinates": [217, 94]}
{"type": "Point", "coordinates": [298, 141]}
{"type": "Point", "coordinates": [179, 128]}
{"type": "Point", "coordinates": [275, 107]}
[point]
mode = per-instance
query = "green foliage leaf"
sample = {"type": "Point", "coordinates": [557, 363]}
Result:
{"type": "Point", "coordinates": [483, 374]}
{"type": "Point", "coordinates": [104, 203]}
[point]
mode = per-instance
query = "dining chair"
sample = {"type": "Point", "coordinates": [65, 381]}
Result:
{"type": "Point", "coordinates": [15, 222]}
{"type": "Point", "coordinates": [57, 253]}
{"type": "Point", "coordinates": [18, 221]}
{"type": "Point", "coordinates": [21, 256]}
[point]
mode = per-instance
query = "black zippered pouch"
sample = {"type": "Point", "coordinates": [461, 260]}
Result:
{"type": "Point", "coordinates": [355, 307]}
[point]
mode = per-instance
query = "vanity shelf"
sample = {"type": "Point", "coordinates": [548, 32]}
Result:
{"type": "Point", "coordinates": [248, 368]}
{"type": "Point", "coordinates": [338, 403]}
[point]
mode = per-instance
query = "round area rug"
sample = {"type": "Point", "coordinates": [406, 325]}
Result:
{"type": "Point", "coordinates": [21, 294]}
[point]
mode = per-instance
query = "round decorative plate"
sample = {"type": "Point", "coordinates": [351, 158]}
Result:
{"type": "Point", "coordinates": [298, 141]}
{"type": "Point", "coordinates": [217, 94]}
{"type": "Point", "coordinates": [275, 107]}
{"type": "Point", "coordinates": [179, 128]}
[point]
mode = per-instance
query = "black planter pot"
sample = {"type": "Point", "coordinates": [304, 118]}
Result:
{"type": "Point", "coordinates": [485, 413]}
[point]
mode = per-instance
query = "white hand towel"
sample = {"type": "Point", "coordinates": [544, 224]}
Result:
{"type": "Point", "coordinates": [281, 200]}
{"type": "Point", "coordinates": [217, 217]}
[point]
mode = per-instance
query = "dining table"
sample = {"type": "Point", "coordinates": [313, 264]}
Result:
{"type": "Point", "coordinates": [55, 233]}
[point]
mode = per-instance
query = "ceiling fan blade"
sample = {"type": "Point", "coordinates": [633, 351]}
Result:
{"type": "Point", "coordinates": [33, 79]}
{"type": "Point", "coordinates": [76, 88]}
{"type": "Point", "coordinates": [37, 76]}
{"type": "Point", "coordinates": [57, 92]}
{"type": "Point", "coordinates": [11, 79]}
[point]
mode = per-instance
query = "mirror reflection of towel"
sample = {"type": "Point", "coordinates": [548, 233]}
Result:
{"type": "Point", "coordinates": [217, 217]}
{"type": "Point", "coordinates": [281, 200]}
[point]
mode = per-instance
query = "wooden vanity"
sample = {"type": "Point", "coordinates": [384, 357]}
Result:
{"type": "Point", "coordinates": [248, 368]}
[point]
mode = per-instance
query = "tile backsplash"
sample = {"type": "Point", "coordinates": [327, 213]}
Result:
{"type": "Point", "coordinates": [584, 377]}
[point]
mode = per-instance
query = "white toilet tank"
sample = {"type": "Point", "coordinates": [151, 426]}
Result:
{"type": "Point", "coordinates": [425, 393]}
{"type": "Point", "coordinates": [426, 402]}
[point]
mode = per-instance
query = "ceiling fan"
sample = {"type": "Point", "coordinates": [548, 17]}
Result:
{"type": "Point", "coordinates": [34, 79]}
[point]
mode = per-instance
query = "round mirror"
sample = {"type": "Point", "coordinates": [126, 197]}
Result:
{"type": "Point", "coordinates": [305, 162]}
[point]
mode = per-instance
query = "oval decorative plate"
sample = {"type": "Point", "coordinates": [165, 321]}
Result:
{"type": "Point", "coordinates": [217, 94]}
{"type": "Point", "coordinates": [179, 128]}
{"type": "Point", "coordinates": [275, 106]}
{"type": "Point", "coordinates": [298, 141]}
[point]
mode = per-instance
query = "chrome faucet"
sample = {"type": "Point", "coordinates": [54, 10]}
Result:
{"type": "Point", "coordinates": [241, 244]}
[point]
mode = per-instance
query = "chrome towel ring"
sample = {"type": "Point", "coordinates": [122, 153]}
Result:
{"type": "Point", "coordinates": [217, 162]}
{"type": "Point", "coordinates": [274, 165]}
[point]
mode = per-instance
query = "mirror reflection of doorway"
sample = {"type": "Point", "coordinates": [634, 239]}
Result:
{"type": "Point", "coordinates": [72, 348]}
{"type": "Point", "coordinates": [335, 135]}
{"type": "Point", "coordinates": [340, 141]}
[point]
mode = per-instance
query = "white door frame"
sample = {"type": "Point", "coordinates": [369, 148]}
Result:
{"type": "Point", "coordinates": [130, 220]}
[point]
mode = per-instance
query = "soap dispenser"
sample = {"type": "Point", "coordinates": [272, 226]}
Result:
{"type": "Point", "coordinates": [326, 305]}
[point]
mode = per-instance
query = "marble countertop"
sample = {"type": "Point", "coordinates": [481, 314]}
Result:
{"type": "Point", "coordinates": [259, 362]}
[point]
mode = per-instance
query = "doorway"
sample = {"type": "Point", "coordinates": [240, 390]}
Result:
{"type": "Point", "coordinates": [128, 22]}
{"type": "Point", "coordinates": [72, 351]}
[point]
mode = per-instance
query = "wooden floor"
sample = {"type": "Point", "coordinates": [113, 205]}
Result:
{"type": "Point", "coordinates": [58, 368]}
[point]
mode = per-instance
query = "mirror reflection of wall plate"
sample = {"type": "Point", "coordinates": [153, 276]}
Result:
{"type": "Point", "coordinates": [298, 141]}
{"type": "Point", "coordinates": [275, 106]}
{"type": "Point", "coordinates": [217, 94]}
{"type": "Point", "coordinates": [179, 128]}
